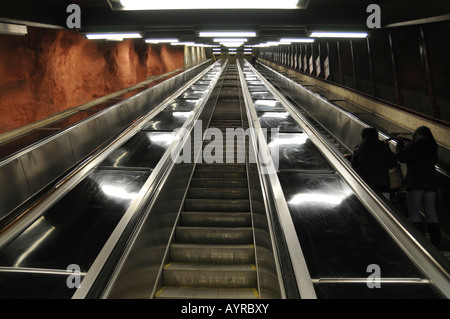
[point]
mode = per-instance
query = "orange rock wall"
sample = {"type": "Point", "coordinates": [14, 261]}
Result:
{"type": "Point", "coordinates": [48, 71]}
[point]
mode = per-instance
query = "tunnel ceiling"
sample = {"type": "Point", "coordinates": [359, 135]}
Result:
{"type": "Point", "coordinates": [345, 15]}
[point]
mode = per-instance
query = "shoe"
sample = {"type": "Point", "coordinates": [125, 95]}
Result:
{"type": "Point", "coordinates": [435, 234]}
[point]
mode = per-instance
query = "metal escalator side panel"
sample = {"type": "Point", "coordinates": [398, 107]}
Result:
{"type": "Point", "coordinates": [273, 189]}
{"type": "Point", "coordinates": [436, 274]}
{"type": "Point", "coordinates": [137, 270]}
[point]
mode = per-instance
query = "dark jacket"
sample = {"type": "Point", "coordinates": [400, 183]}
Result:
{"type": "Point", "coordinates": [420, 156]}
{"type": "Point", "coordinates": [372, 160]}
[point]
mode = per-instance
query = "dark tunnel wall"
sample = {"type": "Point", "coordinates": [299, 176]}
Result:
{"type": "Point", "coordinates": [49, 70]}
{"type": "Point", "coordinates": [407, 67]}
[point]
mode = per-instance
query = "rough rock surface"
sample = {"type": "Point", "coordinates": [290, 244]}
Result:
{"type": "Point", "coordinates": [48, 71]}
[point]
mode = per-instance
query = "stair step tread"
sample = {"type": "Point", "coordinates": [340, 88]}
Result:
{"type": "Point", "coordinates": [219, 166]}
{"type": "Point", "coordinates": [216, 219]}
{"type": "Point", "coordinates": [206, 293]}
{"type": "Point", "coordinates": [218, 183]}
{"type": "Point", "coordinates": [217, 205]}
{"type": "Point", "coordinates": [210, 275]}
{"type": "Point", "coordinates": [210, 267]}
{"type": "Point", "coordinates": [218, 193]}
{"type": "Point", "coordinates": [221, 254]}
{"type": "Point", "coordinates": [214, 235]}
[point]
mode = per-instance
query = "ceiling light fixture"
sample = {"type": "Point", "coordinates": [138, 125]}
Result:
{"type": "Point", "coordinates": [104, 36]}
{"type": "Point", "coordinates": [339, 34]}
{"type": "Point", "coordinates": [204, 4]}
{"type": "Point", "coordinates": [297, 40]}
{"type": "Point", "coordinates": [184, 43]}
{"type": "Point", "coordinates": [222, 40]}
{"type": "Point", "coordinates": [232, 44]}
{"type": "Point", "coordinates": [13, 29]}
{"type": "Point", "coordinates": [161, 40]}
{"type": "Point", "coordinates": [231, 34]}
{"type": "Point", "coordinates": [277, 43]}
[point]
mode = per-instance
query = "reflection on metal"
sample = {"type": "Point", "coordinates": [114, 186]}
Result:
{"type": "Point", "coordinates": [40, 223]}
{"type": "Point", "coordinates": [95, 196]}
{"type": "Point", "coordinates": [137, 274]}
{"type": "Point", "coordinates": [44, 162]}
{"type": "Point", "coordinates": [281, 210]}
{"type": "Point", "coordinates": [367, 207]}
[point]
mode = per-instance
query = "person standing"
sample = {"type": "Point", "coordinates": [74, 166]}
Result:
{"type": "Point", "coordinates": [372, 160]}
{"type": "Point", "coordinates": [420, 156]}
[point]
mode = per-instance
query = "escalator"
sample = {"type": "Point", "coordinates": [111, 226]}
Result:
{"type": "Point", "coordinates": [213, 252]}
{"type": "Point", "coordinates": [277, 215]}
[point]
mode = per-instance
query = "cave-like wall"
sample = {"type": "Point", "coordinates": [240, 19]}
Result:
{"type": "Point", "coordinates": [48, 71]}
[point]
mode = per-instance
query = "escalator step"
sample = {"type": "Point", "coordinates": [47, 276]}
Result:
{"type": "Point", "coordinates": [206, 293]}
{"type": "Point", "coordinates": [211, 183]}
{"type": "Point", "coordinates": [221, 167]}
{"type": "Point", "coordinates": [214, 235]}
{"type": "Point", "coordinates": [217, 205]}
{"type": "Point", "coordinates": [210, 275]}
{"type": "Point", "coordinates": [220, 254]}
{"type": "Point", "coordinates": [214, 219]}
{"type": "Point", "coordinates": [218, 193]}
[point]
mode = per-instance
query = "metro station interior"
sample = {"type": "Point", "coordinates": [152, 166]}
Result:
{"type": "Point", "coordinates": [202, 150]}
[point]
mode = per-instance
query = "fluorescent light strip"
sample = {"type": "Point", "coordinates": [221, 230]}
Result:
{"type": "Point", "coordinates": [161, 40]}
{"type": "Point", "coordinates": [204, 4]}
{"type": "Point", "coordinates": [293, 40]}
{"type": "Point", "coordinates": [237, 34]}
{"type": "Point", "coordinates": [232, 44]}
{"type": "Point", "coordinates": [104, 36]}
{"type": "Point", "coordinates": [277, 43]}
{"type": "Point", "coordinates": [339, 34]}
{"type": "Point", "coordinates": [184, 43]}
{"type": "Point", "coordinates": [230, 40]}
{"type": "Point", "coordinates": [13, 29]}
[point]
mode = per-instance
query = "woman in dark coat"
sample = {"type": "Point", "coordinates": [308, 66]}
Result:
{"type": "Point", "coordinates": [420, 156]}
{"type": "Point", "coordinates": [372, 159]}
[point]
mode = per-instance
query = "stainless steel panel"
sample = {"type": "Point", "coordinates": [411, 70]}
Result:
{"type": "Point", "coordinates": [296, 151]}
{"type": "Point", "coordinates": [34, 285]}
{"type": "Point", "coordinates": [143, 150]}
{"type": "Point", "coordinates": [262, 95]}
{"type": "Point", "coordinates": [257, 82]}
{"type": "Point", "coordinates": [192, 95]}
{"type": "Point", "coordinates": [44, 164]}
{"type": "Point", "coordinates": [14, 186]}
{"type": "Point", "coordinates": [88, 136]}
{"type": "Point", "coordinates": [199, 87]}
{"type": "Point", "coordinates": [339, 237]}
{"type": "Point", "coordinates": [278, 120]}
{"type": "Point", "coordinates": [256, 88]}
{"type": "Point", "coordinates": [265, 262]}
{"type": "Point", "coordinates": [268, 106]}
{"type": "Point", "coordinates": [378, 121]}
{"type": "Point", "coordinates": [139, 273]}
{"type": "Point", "coordinates": [167, 121]}
{"type": "Point", "coordinates": [351, 107]}
{"type": "Point", "coordinates": [75, 229]}
{"type": "Point", "coordinates": [360, 290]}
{"type": "Point", "coordinates": [182, 105]}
